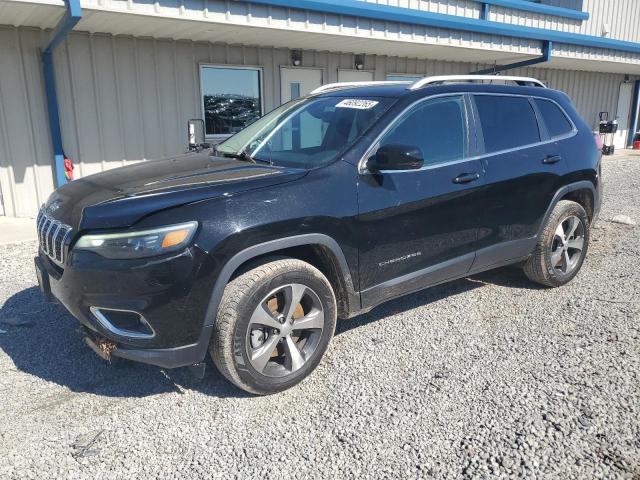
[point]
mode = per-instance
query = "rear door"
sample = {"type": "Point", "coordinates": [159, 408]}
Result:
{"type": "Point", "coordinates": [420, 227]}
{"type": "Point", "coordinates": [523, 168]}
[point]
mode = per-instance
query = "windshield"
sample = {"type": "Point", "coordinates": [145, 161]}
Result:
{"type": "Point", "coordinates": [306, 132]}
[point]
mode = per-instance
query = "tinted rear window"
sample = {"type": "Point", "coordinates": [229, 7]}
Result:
{"type": "Point", "coordinates": [507, 122]}
{"type": "Point", "coordinates": [556, 122]}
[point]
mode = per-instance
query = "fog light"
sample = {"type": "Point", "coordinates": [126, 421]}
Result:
{"type": "Point", "coordinates": [125, 323]}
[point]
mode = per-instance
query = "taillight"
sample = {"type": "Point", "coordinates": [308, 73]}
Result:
{"type": "Point", "coordinates": [598, 140]}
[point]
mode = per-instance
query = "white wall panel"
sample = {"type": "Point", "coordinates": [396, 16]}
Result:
{"type": "Point", "coordinates": [622, 16]}
{"type": "Point", "coordinates": [26, 176]}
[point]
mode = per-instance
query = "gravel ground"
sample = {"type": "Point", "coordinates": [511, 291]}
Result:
{"type": "Point", "coordinates": [483, 377]}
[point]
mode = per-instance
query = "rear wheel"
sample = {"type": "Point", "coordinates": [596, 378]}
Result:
{"type": "Point", "coordinates": [274, 324]}
{"type": "Point", "coordinates": [562, 247]}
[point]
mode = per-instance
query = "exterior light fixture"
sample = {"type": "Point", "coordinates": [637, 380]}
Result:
{"type": "Point", "coordinates": [296, 57]}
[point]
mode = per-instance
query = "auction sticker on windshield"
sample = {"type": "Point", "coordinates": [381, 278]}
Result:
{"type": "Point", "coordinates": [357, 103]}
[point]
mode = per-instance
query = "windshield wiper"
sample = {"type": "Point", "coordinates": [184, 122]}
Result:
{"type": "Point", "coordinates": [241, 155]}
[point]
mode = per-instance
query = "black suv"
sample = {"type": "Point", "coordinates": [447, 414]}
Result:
{"type": "Point", "coordinates": [326, 207]}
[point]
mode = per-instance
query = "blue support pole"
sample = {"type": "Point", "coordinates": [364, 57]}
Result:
{"type": "Point", "coordinates": [547, 48]}
{"type": "Point", "coordinates": [66, 24]}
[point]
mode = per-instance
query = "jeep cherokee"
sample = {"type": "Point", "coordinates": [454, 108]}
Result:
{"type": "Point", "coordinates": [322, 209]}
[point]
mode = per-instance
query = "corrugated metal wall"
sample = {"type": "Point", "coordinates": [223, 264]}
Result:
{"type": "Point", "coordinates": [535, 20]}
{"type": "Point", "coordinates": [243, 14]}
{"type": "Point", "coordinates": [622, 16]}
{"type": "Point", "coordinates": [461, 8]}
{"type": "Point", "coordinates": [126, 99]}
{"type": "Point", "coordinates": [26, 176]}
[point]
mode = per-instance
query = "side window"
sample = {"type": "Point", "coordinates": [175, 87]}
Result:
{"type": "Point", "coordinates": [507, 122]}
{"type": "Point", "coordinates": [436, 126]}
{"type": "Point", "coordinates": [556, 121]}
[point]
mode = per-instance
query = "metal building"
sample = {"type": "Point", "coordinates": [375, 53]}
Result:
{"type": "Point", "coordinates": [109, 82]}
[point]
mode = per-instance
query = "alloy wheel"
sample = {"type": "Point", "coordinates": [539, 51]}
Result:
{"type": "Point", "coordinates": [567, 245]}
{"type": "Point", "coordinates": [284, 330]}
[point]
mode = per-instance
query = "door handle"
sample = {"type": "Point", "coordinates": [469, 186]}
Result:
{"type": "Point", "coordinates": [551, 159]}
{"type": "Point", "coordinates": [466, 177]}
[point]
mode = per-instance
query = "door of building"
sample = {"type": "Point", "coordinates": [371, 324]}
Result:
{"type": "Point", "coordinates": [296, 82]}
{"type": "Point", "coordinates": [355, 76]}
{"type": "Point", "coordinates": [623, 113]}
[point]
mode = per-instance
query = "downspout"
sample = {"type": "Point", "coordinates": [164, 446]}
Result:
{"type": "Point", "coordinates": [547, 48]}
{"type": "Point", "coordinates": [484, 11]}
{"type": "Point", "coordinates": [65, 25]}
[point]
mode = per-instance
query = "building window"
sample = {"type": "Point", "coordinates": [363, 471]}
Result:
{"type": "Point", "coordinates": [231, 98]}
{"type": "Point", "coordinates": [295, 90]}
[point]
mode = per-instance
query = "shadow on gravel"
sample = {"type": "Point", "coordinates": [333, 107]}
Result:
{"type": "Point", "coordinates": [511, 276]}
{"type": "Point", "coordinates": [43, 340]}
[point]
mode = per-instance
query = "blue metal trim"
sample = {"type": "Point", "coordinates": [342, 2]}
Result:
{"type": "Point", "coordinates": [66, 24]}
{"type": "Point", "coordinates": [635, 113]}
{"type": "Point", "coordinates": [539, 8]}
{"type": "Point", "coordinates": [357, 8]}
{"type": "Point", "coordinates": [547, 48]}
{"type": "Point", "coordinates": [485, 8]}
{"type": "Point", "coordinates": [54, 117]}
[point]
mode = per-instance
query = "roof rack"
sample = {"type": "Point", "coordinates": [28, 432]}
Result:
{"type": "Point", "coordinates": [336, 86]}
{"type": "Point", "coordinates": [426, 81]}
{"type": "Point", "coordinates": [524, 81]}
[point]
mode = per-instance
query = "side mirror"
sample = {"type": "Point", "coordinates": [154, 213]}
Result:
{"type": "Point", "coordinates": [195, 135]}
{"type": "Point", "coordinates": [396, 157]}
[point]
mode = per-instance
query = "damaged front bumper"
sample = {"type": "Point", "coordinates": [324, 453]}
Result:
{"type": "Point", "coordinates": [184, 356]}
{"type": "Point", "coordinates": [168, 294]}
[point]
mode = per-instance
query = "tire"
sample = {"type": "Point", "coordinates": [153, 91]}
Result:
{"type": "Point", "coordinates": [556, 258]}
{"type": "Point", "coordinates": [256, 314]}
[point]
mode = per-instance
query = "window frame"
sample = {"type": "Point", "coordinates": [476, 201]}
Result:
{"type": "Point", "coordinates": [468, 123]}
{"type": "Point", "coordinates": [542, 128]}
{"type": "Point", "coordinates": [202, 66]}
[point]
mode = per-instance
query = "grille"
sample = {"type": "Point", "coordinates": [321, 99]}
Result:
{"type": "Point", "coordinates": [51, 236]}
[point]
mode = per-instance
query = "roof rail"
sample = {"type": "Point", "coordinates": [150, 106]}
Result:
{"type": "Point", "coordinates": [423, 82]}
{"type": "Point", "coordinates": [524, 81]}
{"type": "Point", "coordinates": [338, 85]}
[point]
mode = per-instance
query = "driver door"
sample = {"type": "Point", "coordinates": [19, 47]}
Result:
{"type": "Point", "coordinates": [420, 227]}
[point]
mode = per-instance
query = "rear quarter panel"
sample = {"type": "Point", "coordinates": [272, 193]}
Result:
{"type": "Point", "coordinates": [580, 151]}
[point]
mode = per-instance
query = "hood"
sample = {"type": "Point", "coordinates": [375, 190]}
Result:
{"type": "Point", "coordinates": [122, 196]}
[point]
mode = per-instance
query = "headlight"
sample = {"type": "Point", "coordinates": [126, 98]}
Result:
{"type": "Point", "coordinates": [139, 244]}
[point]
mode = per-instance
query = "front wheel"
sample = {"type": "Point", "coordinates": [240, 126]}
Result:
{"type": "Point", "coordinates": [562, 246]}
{"type": "Point", "coordinates": [273, 325]}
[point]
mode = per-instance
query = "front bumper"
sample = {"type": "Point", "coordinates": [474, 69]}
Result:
{"type": "Point", "coordinates": [171, 293]}
{"type": "Point", "coordinates": [162, 357]}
